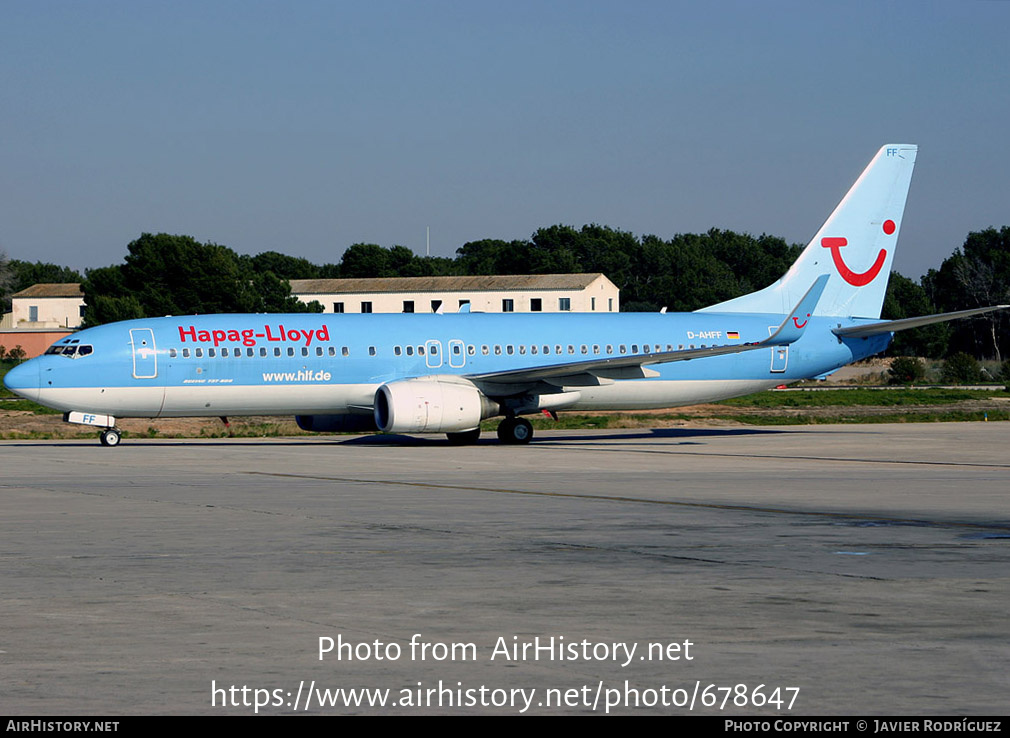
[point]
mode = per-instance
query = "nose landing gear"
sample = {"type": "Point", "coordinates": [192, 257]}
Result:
{"type": "Point", "coordinates": [110, 437]}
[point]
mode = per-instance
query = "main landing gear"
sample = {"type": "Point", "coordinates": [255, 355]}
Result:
{"type": "Point", "coordinates": [515, 430]}
{"type": "Point", "coordinates": [111, 437]}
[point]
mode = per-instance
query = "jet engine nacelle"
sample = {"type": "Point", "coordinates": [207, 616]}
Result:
{"type": "Point", "coordinates": [337, 423]}
{"type": "Point", "coordinates": [437, 404]}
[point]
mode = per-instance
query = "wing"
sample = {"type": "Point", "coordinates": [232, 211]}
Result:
{"type": "Point", "coordinates": [594, 372]}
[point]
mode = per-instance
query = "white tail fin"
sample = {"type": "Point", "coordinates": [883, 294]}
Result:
{"type": "Point", "coordinates": [855, 246]}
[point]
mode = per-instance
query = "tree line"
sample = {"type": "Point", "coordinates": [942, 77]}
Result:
{"type": "Point", "coordinates": [166, 274]}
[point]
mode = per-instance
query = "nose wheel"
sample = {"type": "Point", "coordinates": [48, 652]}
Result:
{"type": "Point", "coordinates": [110, 437]}
{"type": "Point", "coordinates": [515, 430]}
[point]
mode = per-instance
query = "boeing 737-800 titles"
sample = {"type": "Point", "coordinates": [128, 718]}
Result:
{"type": "Point", "coordinates": [412, 373]}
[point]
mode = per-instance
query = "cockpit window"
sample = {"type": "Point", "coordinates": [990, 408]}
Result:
{"type": "Point", "coordinates": [70, 350]}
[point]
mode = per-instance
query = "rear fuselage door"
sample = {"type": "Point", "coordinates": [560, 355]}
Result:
{"type": "Point", "coordinates": [780, 354]}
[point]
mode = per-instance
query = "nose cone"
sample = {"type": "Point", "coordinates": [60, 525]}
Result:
{"type": "Point", "coordinates": [24, 380]}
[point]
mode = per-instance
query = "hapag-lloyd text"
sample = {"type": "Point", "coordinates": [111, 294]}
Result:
{"type": "Point", "coordinates": [249, 336]}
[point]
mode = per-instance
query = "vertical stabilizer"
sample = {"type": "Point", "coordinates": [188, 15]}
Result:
{"type": "Point", "coordinates": [855, 246]}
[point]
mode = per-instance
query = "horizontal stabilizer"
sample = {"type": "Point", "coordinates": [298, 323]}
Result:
{"type": "Point", "coordinates": [891, 326]}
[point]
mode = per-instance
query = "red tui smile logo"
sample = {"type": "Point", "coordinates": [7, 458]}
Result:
{"type": "Point", "coordinates": [856, 279]}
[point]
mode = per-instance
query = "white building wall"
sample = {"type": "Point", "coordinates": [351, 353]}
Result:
{"type": "Point", "coordinates": [50, 312]}
{"type": "Point", "coordinates": [600, 296]}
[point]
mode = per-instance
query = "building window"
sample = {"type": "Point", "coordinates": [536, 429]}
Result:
{"type": "Point", "coordinates": [464, 302]}
{"type": "Point", "coordinates": [338, 307]}
{"type": "Point", "coordinates": [592, 303]}
{"type": "Point", "coordinates": [564, 304]}
{"type": "Point", "coordinates": [408, 306]}
{"type": "Point", "coordinates": [610, 304]}
{"type": "Point", "coordinates": [507, 306]}
{"type": "Point", "coordinates": [33, 313]}
{"type": "Point", "coordinates": [366, 307]}
{"type": "Point", "coordinates": [536, 304]}
{"type": "Point", "coordinates": [435, 305]}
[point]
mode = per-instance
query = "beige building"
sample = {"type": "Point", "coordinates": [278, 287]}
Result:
{"type": "Point", "coordinates": [53, 306]}
{"type": "Point", "coordinates": [45, 306]}
{"type": "Point", "coordinates": [538, 293]}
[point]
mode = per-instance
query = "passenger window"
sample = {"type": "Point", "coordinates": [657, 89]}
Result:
{"type": "Point", "coordinates": [547, 349]}
{"type": "Point", "coordinates": [596, 348]}
{"type": "Point", "coordinates": [571, 349]}
{"type": "Point", "coordinates": [610, 349]}
{"type": "Point", "coordinates": [585, 349]}
{"type": "Point", "coordinates": [291, 350]}
{"type": "Point", "coordinates": [263, 350]}
{"type": "Point", "coordinates": [185, 353]}
{"type": "Point", "coordinates": [396, 351]}
{"type": "Point", "coordinates": [522, 349]}
{"type": "Point", "coordinates": [277, 350]}
{"type": "Point", "coordinates": [533, 349]}
{"type": "Point", "coordinates": [344, 351]}
{"type": "Point", "coordinates": [471, 350]}
{"type": "Point", "coordinates": [171, 353]}
{"type": "Point", "coordinates": [420, 350]}
{"type": "Point", "coordinates": [634, 348]}
{"type": "Point", "coordinates": [211, 353]}
{"type": "Point", "coordinates": [622, 348]}
{"type": "Point", "coordinates": [508, 349]}
{"type": "Point", "coordinates": [305, 351]}
{"type": "Point", "coordinates": [410, 350]}
{"type": "Point", "coordinates": [198, 353]}
{"type": "Point", "coordinates": [371, 350]}
{"type": "Point", "coordinates": [497, 349]}
{"type": "Point", "coordinates": [557, 348]}
{"type": "Point", "coordinates": [319, 350]}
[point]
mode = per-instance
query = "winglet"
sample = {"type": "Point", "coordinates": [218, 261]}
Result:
{"type": "Point", "coordinates": [792, 327]}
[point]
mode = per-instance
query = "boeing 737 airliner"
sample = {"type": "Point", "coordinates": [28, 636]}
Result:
{"type": "Point", "coordinates": [413, 373]}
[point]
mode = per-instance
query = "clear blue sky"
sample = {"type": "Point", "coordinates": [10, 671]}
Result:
{"type": "Point", "coordinates": [304, 127]}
